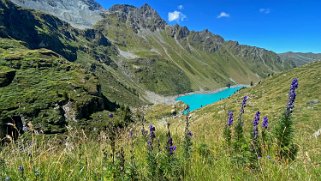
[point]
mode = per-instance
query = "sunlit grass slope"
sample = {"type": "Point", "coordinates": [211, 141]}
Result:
{"type": "Point", "coordinates": [88, 157]}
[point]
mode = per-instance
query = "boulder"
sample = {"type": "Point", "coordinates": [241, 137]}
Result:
{"type": "Point", "coordinates": [6, 77]}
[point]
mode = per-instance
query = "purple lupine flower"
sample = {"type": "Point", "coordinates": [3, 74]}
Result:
{"type": "Point", "coordinates": [170, 146]}
{"type": "Point", "coordinates": [152, 136]}
{"type": "Point", "coordinates": [265, 123]}
{"type": "Point", "coordinates": [110, 115]}
{"type": "Point", "coordinates": [292, 96]}
{"type": "Point", "coordinates": [230, 118]}
{"type": "Point", "coordinates": [255, 124]}
{"type": "Point", "coordinates": [152, 131]}
{"type": "Point", "coordinates": [256, 118]}
{"type": "Point", "coordinates": [244, 103]}
{"type": "Point", "coordinates": [131, 133]}
{"type": "Point", "coordinates": [295, 83]}
{"type": "Point", "coordinates": [172, 149]}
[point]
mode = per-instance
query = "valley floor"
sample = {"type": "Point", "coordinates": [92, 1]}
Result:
{"type": "Point", "coordinates": [155, 98]}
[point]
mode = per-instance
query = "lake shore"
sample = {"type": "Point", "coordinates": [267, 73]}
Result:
{"type": "Point", "coordinates": [169, 100]}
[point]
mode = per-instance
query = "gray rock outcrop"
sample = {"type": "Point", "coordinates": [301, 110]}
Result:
{"type": "Point", "coordinates": [81, 14]}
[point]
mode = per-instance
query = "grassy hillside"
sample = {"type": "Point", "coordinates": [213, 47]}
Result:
{"type": "Point", "coordinates": [270, 98]}
{"type": "Point", "coordinates": [89, 47]}
{"type": "Point", "coordinates": [41, 87]}
{"type": "Point", "coordinates": [90, 156]}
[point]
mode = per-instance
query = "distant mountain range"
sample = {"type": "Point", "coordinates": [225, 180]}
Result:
{"type": "Point", "coordinates": [300, 58]}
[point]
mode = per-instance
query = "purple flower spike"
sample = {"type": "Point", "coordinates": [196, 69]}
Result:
{"type": "Point", "coordinates": [265, 123]}
{"type": "Point", "coordinates": [172, 149]}
{"type": "Point", "coordinates": [244, 103]}
{"type": "Point", "coordinates": [256, 118]}
{"type": "Point", "coordinates": [255, 124]}
{"type": "Point", "coordinates": [292, 96]}
{"type": "Point", "coordinates": [230, 118]}
{"type": "Point", "coordinates": [151, 128]}
{"type": "Point", "coordinates": [170, 146]}
{"type": "Point", "coordinates": [152, 131]}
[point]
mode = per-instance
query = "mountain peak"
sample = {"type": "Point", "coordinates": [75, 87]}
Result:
{"type": "Point", "coordinates": [79, 13]}
{"type": "Point", "coordinates": [143, 17]}
{"type": "Point", "coordinates": [122, 8]}
{"type": "Point", "coordinates": [146, 6]}
{"type": "Point", "coordinates": [93, 5]}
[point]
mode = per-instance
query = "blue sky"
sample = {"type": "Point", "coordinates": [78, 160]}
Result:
{"type": "Point", "coordinates": [277, 25]}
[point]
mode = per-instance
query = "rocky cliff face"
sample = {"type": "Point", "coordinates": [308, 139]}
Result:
{"type": "Point", "coordinates": [144, 17]}
{"type": "Point", "coordinates": [79, 13]}
{"type": "Point", "coordinates": [39, 30]}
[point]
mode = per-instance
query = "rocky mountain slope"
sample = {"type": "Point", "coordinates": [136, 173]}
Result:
{"type": "Point", "coordinates": [79, 13]}
{"type": "Point", "coordinates": [39, 81]}
{"type": "Point", "coordinates": [41, 88]}
{"type": "Point", "coordinates": [89, 47]}
{"type": "Point", "coordinates": [200, 60]}
{"type": "Point", "coordinates": [300, 58]}
{"type": "Point", "coordinates": [133, 50]}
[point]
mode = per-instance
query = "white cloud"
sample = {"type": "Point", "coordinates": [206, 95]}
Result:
{"type": "Point", "coordinates": [176, 16]}
{"type": "Point", "coordinates": [180, 7]}
{"type": "Point", "coordinates": [223, 15]}
{"type": "Point", "coordinates": [265, 10]}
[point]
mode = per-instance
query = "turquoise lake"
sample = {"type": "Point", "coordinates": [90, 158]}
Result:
{"type": "Point", "coordinates": [197, 100]}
